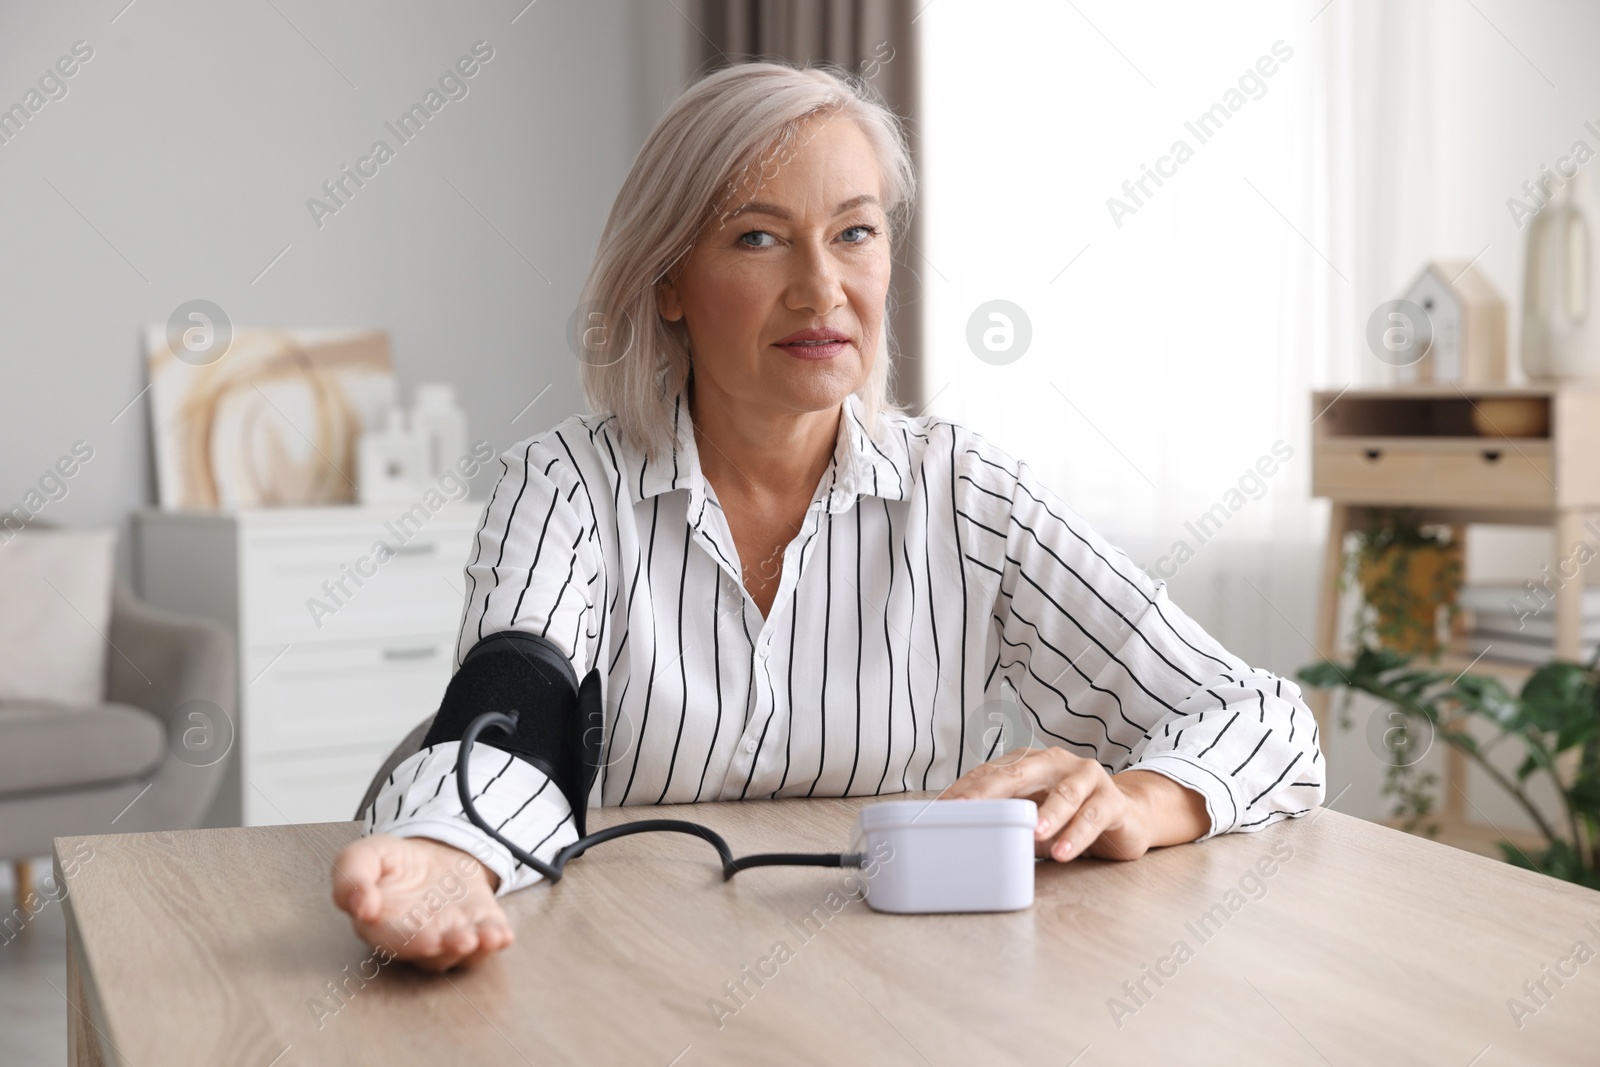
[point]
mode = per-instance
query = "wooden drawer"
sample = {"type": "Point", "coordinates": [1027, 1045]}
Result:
{"type": "Point", "coordinates": [314, 786]}
{"type": "Point", "coordinates": [343, 693]}
{"type": "Point", "coordinates": [293, 591]}
{"type": "Point", "coordinates": [1483, 472]}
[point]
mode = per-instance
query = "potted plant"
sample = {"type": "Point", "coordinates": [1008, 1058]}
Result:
{"type": "Point", "coordinates": [1555, 716]}
{"type": "Point", "coordinates": [1406, 573]}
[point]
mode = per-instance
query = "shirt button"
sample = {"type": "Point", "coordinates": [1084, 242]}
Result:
{"type": "Point", "coordinates": [762, 652]}
{"type": "Point", "coordinates": [750, 744]}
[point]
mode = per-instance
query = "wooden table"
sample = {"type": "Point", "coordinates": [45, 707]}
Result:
{"type": "Point", "coordinates": [1359, 945]}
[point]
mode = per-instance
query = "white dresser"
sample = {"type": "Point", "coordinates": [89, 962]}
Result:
{"type": "Point", "coordinates": [342, 648]}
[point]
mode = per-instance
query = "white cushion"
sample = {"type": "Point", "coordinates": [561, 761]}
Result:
{"type": "Point", "coordinates": [55, 615]}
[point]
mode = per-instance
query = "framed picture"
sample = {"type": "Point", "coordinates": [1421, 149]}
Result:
{"type": "Point", "coordinates": [272, 421]}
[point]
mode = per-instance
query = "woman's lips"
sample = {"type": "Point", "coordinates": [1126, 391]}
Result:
{"type": "Point", "coordinates": [813, 349]}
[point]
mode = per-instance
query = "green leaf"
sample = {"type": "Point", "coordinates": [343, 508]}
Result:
{"type": "Point", "coordinates": [1560, 860]}
{"type": "Point", "coordinates": [1324, 675]}
{"type": "Point", "coordinates": [1585, 795]}
{"type": "Point", "coordinates": [1578, 733]}
{"type": "Point", "coordinates": [1518, 858]}
{"type": "Point", "coordinates": [1558, 695]}
{"type": "Point", "coordinates": [1378, 660]}
{"type": "Point", "coordinates": [1488, 697]}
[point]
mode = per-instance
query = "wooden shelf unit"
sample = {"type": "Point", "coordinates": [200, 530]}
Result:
{"type": "Point", "coordinates": [1417, 446]}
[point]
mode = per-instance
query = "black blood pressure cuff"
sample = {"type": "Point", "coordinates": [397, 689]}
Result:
{"type": "Point", "coordinates": [559, 721]}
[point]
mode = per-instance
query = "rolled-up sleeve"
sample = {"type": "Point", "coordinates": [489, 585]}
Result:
{"type": "Point", "coordinates": [420, 799]}
{"type": "Point", "coordinates": [1105, 664]}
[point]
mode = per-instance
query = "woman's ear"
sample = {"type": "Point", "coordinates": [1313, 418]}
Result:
{"type": "Point", "coordinates": [667, 302]}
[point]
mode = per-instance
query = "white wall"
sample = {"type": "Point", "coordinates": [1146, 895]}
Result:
{"type": "Point", "coordinates": [186, 148]}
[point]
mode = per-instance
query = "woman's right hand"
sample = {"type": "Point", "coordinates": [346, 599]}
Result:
{"type": "Point", "coordinates": [420, 900]}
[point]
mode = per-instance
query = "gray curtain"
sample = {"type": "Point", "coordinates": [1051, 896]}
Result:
{"type": "Point", "coordinates": [876, 40]}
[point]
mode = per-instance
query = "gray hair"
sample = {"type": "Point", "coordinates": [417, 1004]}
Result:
{"type": "Point", "coordinates": [715, 141]}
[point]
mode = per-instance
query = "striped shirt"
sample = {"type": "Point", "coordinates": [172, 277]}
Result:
{"type": "Point", "coordinates": [937, 607]}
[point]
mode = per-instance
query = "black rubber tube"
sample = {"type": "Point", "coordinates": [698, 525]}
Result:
{"type": "Point", "coordinates": [507, 722]}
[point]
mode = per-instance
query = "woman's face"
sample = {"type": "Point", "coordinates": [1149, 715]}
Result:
{"type": "Point", "coordinates": [783, 294]}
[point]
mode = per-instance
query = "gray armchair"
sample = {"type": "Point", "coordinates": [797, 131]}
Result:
{"type": "Point", "coordinates": [124, 765]}
{"type": "Point", "coordinates": [408, 747]}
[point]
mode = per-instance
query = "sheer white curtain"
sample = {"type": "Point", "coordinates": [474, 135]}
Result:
{"type": "Point", "coordinates": [1171, 353]}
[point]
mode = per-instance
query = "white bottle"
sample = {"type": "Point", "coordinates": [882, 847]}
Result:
{"type": "Point", "coordinates": [389, 462]}
{"type": "Point", "coordinates": [441, 427]}
{"type": "Point", "coordinates": [1560, 331]}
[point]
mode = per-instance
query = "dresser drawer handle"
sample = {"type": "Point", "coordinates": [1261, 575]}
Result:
{"type": "Point", "coordinates": [411, 653]}
{"type": "Point", "coordinates": [426, 549]}
{"type": "Point", "coordinates": [1373, 453]}
{"type": "Point", "coordinates": [1491, 455]}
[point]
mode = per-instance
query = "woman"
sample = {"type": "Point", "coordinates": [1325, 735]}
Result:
{"type": "Point", "coordinates": [786, 585]}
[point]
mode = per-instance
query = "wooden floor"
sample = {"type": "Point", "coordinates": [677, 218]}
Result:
{"type": "Point", "coordinates": [33, 968]}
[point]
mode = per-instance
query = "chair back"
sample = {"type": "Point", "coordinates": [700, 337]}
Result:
{"type": "Point", "coordinates": [408, 747]}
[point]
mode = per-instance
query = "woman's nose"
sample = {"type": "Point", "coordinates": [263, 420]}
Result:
{"type": "Point", "coordinates": [815, 284]}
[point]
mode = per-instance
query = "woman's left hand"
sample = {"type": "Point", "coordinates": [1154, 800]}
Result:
{"type": "Point", "coordinates": [1081, 807]}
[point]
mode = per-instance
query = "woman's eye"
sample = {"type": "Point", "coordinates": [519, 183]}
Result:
{"type": "Point", "coordinates": [866, 232]}
{"type": "Point", "coordinates": [756, 239]}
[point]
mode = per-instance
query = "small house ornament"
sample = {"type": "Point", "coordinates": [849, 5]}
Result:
{"type": "Point", "coordinates": [1468, 319]}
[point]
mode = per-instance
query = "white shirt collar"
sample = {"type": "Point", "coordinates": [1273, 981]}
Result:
{"type": "Point", "coordinates": [863, 465]}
